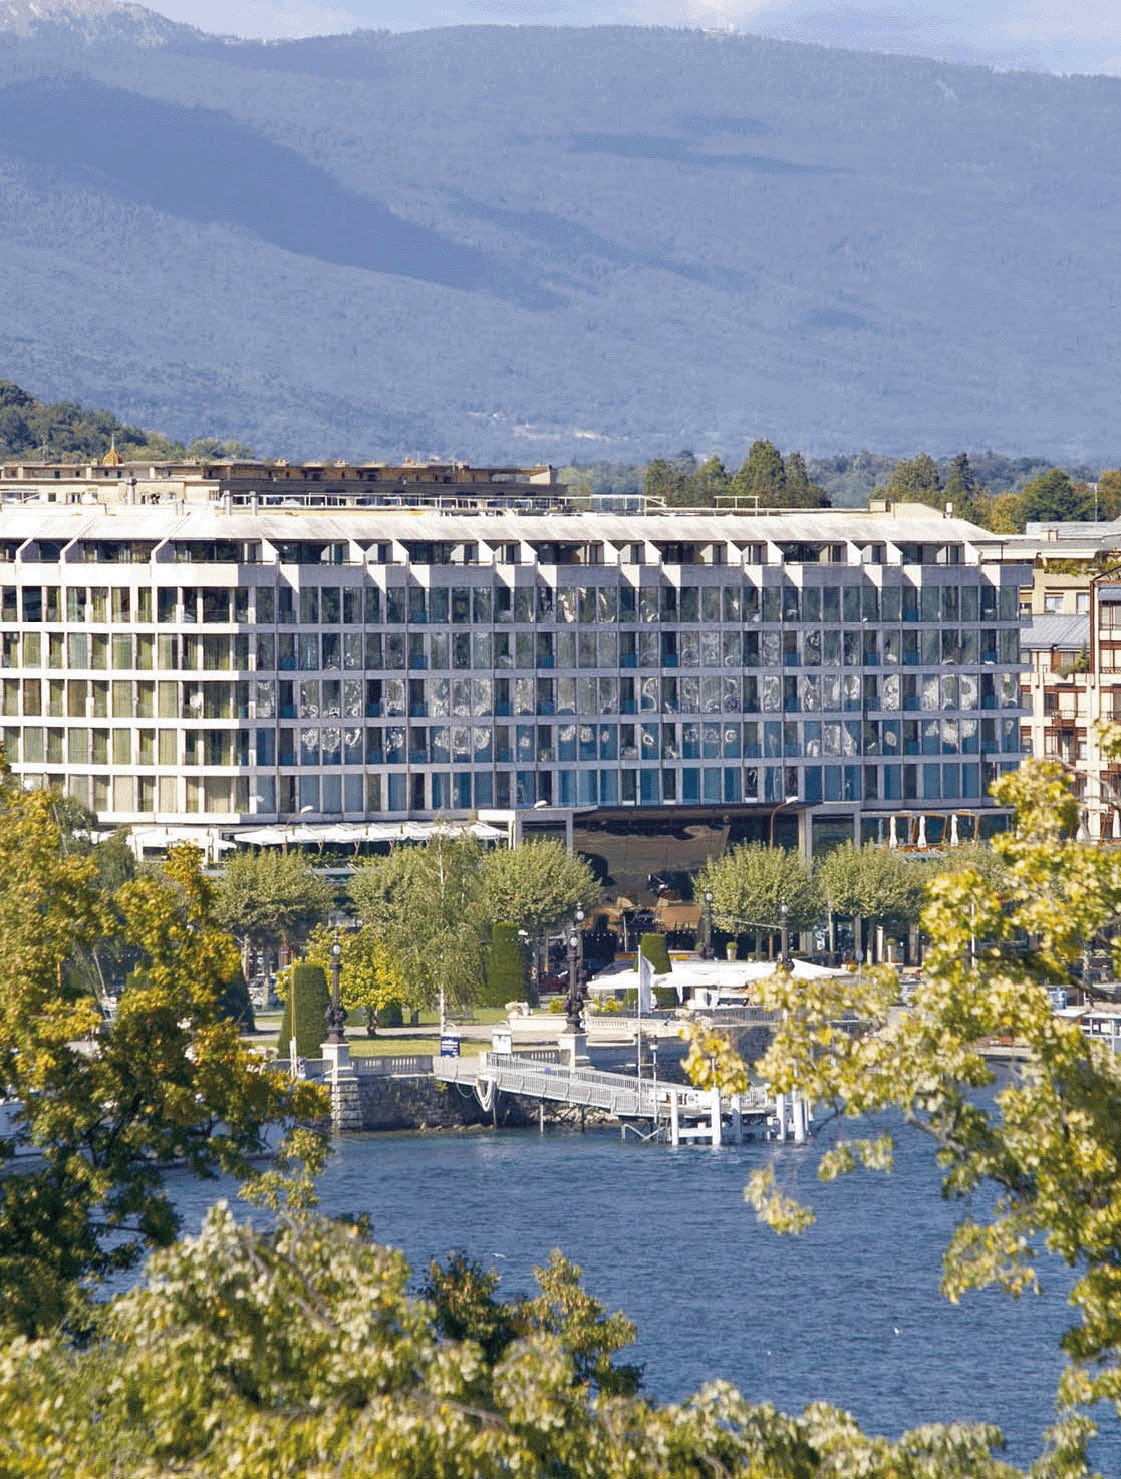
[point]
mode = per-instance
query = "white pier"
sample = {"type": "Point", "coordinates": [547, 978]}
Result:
{"type": "Point", "coordinates": [676, 1113]}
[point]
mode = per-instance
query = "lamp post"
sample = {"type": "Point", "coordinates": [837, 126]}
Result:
{"type": "Point", "coordinates": [784, 927]}
{"type": "Point", "coordinates": [575, 999]}
{"type": "Point", "coordinates": [706, 953]}
{"type": "Point", "coordinates": [786, 801]}
{"type": "Point", "coordinates": [336, 1016]}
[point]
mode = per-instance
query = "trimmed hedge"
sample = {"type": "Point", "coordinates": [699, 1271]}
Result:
{"type": "Point", "coordinates": [507, 975]}
{"type": "Point", "coordinates": [653, 946]}
{"type": "Point", "coordinates": [308, 984]}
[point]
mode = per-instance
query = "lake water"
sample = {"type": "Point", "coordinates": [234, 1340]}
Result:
{"type": "Point", "coordinates": [849, 1313]}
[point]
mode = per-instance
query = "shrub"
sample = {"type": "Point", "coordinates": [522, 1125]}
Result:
{"type": "Point", "coordinates": [653, 946]}
{"type": "Point", "coordinates": [391, 1015]}
{"type": "Point", "coordinates": [507, 977]}
{"type": "Point", "coordinates": [307, 984]}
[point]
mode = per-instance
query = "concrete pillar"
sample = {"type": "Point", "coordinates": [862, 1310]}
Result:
{"type": "Point", "coordinates": [674, 1121]}
{"type": "Point", "coordinates": [346, 1111]}
{"type": "Point", "coordinates": [573, 1049]}
{"type": "Point", "coordinates": [797, 1107]}
{"type": "Point", "coordinates": [780, 1115]}
{"type": "Point", "coordinates": [714, 1101]}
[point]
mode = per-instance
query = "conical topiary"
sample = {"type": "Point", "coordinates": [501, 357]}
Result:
{"type": "Point", "coordinates": [653, 946]}
{"type": "Point", "coordinates": [507, 976]}
{"type": "Point", "coordinates": [307, 986]}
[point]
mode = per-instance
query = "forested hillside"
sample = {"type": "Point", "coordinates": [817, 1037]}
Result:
{"type": "Point", "coordinates": [516, 242]}
{"type": "Point", "coordinates": [61, 431]}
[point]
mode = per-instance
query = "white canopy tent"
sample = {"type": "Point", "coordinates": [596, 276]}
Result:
{"type": "Point", "coordinates": [310, 833]}
{"type": "Point", "coordinates": [729, 977]}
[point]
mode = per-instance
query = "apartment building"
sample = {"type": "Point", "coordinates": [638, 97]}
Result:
{"type": "Point", "coordinates": [218, 662]}
{"type": "Point", "coordinates": [1072, 646]}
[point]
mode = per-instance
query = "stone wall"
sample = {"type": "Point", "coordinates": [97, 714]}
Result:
{"type": "Point", "coordinates": [425, 1104]}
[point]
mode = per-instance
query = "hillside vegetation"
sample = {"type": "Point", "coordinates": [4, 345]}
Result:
{"type": "Point", "coordinates": [515, 243]}
{"type": "Point", "coordinates": [32, 430]}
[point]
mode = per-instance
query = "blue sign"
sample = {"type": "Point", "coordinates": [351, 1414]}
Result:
{"type": "Point", "coordinates": [449, 1047]}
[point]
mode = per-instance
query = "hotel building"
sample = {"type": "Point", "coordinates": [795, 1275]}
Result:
{"type": "Point", "coordinates": [195, 648]}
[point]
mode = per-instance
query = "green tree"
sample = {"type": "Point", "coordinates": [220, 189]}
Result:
{"type": "Point", "coordinates": [1047, 1139]}
{"type": "Point", "coordinates": [166, 1081]}
{"type": "Point", "coordinates": [507, 977]}
{"type": "Point", "coordinates": [754, 888]}
{"type": "Point", "coordinates": [1054, 497]}
{"type": "Point", "coordinates": [368, 980]}
{"type": "Point", "coordinates": [270, 899]}
{"type": "Point", "coordinates": [873, 883]}
{"type": "Point", "coordinates": [305, 1005]}
{"type": "Point", "coordinates": [964, 492]}
{"type": "Point", "coordinates": [536, 886]}
{"type": "Point", "coordinates": [279, 1355]}
{"type": "Point", "coordinates": [427, 905]}
{"type": "Point", "coordinates": [916, 480]}
{"type": "Point", "coordinates": [762, 475]}
{"type": "Point", "coordinates": [653, 946]}
{"type": "Point", "coordinates": [710, 482]}
{"type": "Point", "coordinates": [800, 489]}
{"type": "Point", "coordinates": [664, 482]}
{"type": "Point", "coordinates": [1109, 493]}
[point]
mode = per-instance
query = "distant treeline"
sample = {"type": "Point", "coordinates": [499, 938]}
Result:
{"type": "Point", "coordinates": [999, 493]}
{"type": "Point", "coordinates": [60, 431]}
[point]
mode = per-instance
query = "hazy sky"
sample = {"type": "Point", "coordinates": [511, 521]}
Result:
{"type": "Point", "coordinates": [1042, 34]}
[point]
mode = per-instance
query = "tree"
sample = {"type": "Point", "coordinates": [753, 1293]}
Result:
{"type": "Point", "coordinates": [1054, 497]}
{"type": "Point", "coordinates": [665, 482]}
{"type": "Point", "coordinates": [536, 886]}
{"type": "Point", "coordinates": [653, 946]}
{"type": "Point", "coordinates": [166, 1081]}
{"type": "Point", "coordinates": [1048, 1138]}
{"type": "Point", "coordinates": [915, 480]}
{"type": "Point", "coordinates": [873, 883]}
{"type": "Point", "coordinates": [271, 1355]}
{"type": "Point", "coordinates": [800, 489]}
{"type": "Point", "coordinates": [751, 884]}
{"type": "Point", "coordinates": [426, 904]}
{"type": "Point", "coordinates": [270, 899]}
{"type": "Point", "coordinates": [710, 482]}
{"type": "Point", "coordinates": [368, 980]}
{"type": "Point", "coordinates": [305, 1010]}
{"type": "Point", "coordinates": [964, 493]}
{"type": "Point", "coordinates": [762, 475]}
{"type": "Point", "coordinates": [507, 978]}
{"type": "Point", "coordinates": [1109, 493]}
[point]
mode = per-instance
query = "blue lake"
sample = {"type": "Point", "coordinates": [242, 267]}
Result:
{"type": "Point", "coordinates": [850, 1312]}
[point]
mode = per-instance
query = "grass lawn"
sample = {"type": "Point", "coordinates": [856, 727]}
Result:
{"type": "Point", "coordinates": [390, 1047]}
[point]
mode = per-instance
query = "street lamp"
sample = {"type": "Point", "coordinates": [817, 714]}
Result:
{"type": "Point", "coordinates": [784, 928]}
{"type": "Point", "coordinates": [336, 1016]}
{"type": "Point", "coordinates": [706, 953]}
{"type": "Point", "coordinates": [575, 999]}
{"type": "Point", "coordinates": [786, 801]}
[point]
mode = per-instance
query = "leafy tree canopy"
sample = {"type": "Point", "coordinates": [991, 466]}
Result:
{"type": "Point", "coordinates": [873, 882]}
{"type": "Point", "coordinates": [1054, 496]}
{"type": "Point", "coordinates": [537, 885]}
{"type": "Point", "coordinates": [1048, 1138]}
{"type": "Point", "coordinates": [61, 431]}
{"type": "Point", "coordinates": [301, 1352]}
{"type": "Point", "coordinates": [751, 884]}
{"type": "Point", "coordinates": [268, 899]}
{"type": "Point", "coordinates": [166, 1081]}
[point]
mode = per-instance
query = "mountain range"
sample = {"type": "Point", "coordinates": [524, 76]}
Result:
{"type": "Point", "coordinates": [529, 243]}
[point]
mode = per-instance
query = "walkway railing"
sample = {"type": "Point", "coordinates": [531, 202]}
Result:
{"type": "Point", "coordinates": [618, 1094]}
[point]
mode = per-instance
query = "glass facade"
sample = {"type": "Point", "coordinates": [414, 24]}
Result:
{"type": "Point", "coordinates": [372, 675]}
